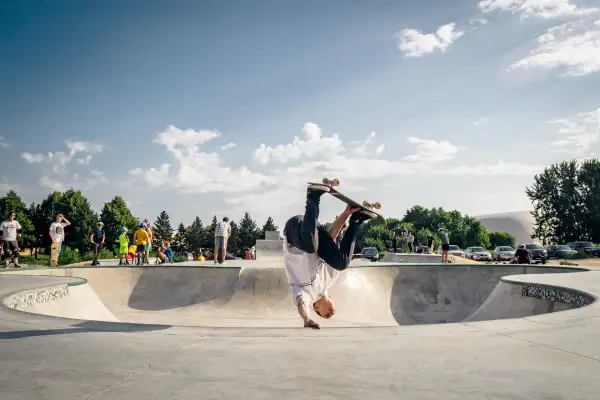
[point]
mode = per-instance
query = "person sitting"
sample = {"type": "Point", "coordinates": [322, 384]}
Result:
{"type": "Point", "coordinates": [522, 255]}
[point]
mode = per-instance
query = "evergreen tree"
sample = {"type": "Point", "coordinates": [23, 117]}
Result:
{"type": "Point", "coordinates": [12, 203]}
{"type": "Point", "coordinates": [161, 230]}
{"type": "Point", "coordinates": [195, 237]}
{"type": "Point", "coordinates": [179, 244]}
{"type": "Point", "coordinates": [269, 226]}
{"type": "Point", "coordinates": [249, 232]}
{"type": "Point", "coordinates": [233, 244]}
{"type": "Point", "coordinates": [115, 214]}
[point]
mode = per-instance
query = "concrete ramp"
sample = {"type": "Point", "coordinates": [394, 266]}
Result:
{"type": "Point", "coordinates": [406, 258]}
{"type": "Point", "coordinates": [376, 295]}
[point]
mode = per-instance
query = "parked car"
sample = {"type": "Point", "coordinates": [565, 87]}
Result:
{"type": "Point", "coordinates": [538, 253]}
{"type": "Point", "coordinates": [503, 253]}
{"type": "Point", "coordinates": [370, 253]}
{"type": "Point", "coordinates": [477, 254]}
{"type": "Point", "coordinates": [453, 250]}
{"type": "Point", "coordinates": [587, 247]}
{"type": "Point", "coordinates": [560, 251]}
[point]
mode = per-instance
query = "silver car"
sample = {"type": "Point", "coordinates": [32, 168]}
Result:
{"type": "Point", "coordinates": [453, 250]}
{"type": "Point", "coordinates": [477, 254]}
{"type": "Point", "coordinates": [503, 253]}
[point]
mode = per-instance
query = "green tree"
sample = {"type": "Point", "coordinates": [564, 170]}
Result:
{"type": "Point", "coordinates": [162, 229]}
{"type": "Point", "coordinates": [249, 232]}
{"type": "Point", "coordinates": [179, 244]}
{"type": "Point", "coordinates": [501, 238]}
{"type": "Point", "coordinates": [77, 209]}
{"type": "Point", "coordinates": [269, 226]}
{"type": "Point", "coordinates": [115, 214]}
{"type": "Point", "coordinates": [12, 203]}
{"type": "Point", "coordinates": [233, 244]}
{"type": "Point", "coordinates": [588, 180]}
{"type": "Point", "coordinates": [196, 237]}
{"type": "Point", "coordinates": [557, 203]}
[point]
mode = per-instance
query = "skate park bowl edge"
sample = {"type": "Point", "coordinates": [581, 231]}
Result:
{"type": "Point", "coordinates": [369, 295]}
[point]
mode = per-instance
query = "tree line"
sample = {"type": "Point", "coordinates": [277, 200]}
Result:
{"type": "Point", "coordinates": [566, 202]}
{"type": "Point", "coordinates": [115, 214]}
{"type": "Point", "coordinates": [35, 219]}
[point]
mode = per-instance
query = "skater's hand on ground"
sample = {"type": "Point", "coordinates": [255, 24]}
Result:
{"type": "Point", "coordinates": [311, 324]}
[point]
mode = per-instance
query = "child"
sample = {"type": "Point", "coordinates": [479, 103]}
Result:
{"type": "Point", "coordinates": [131, 253]}
{"type": "Point", "coordinates": [141, 239]}
{"type": "Point", "coordinates": [97, 239]}
{"type": "Point", "coordinates": [168, 252]}
{"type": "Point", "coordinates": [123, 246]}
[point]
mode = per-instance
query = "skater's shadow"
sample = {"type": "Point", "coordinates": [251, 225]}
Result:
{"type": "Point", "coordinates": [84, 327]}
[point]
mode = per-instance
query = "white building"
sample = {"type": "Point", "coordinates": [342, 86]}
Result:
{"type": "Point", "coordinates": [518, 223]}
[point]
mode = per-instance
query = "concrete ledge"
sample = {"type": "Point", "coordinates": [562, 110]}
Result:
{"type": "Point", "coordinates": [25, 299]}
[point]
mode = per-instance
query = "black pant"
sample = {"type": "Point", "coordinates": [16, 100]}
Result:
{"type": "Point", "coordinates": [395, 245]}
{"type": "Point", "coordinates": [410, 250]}
{"type": "Point", "coordinates": [305, 233]}
{"type": "Point", "coordinates": [10, 247]}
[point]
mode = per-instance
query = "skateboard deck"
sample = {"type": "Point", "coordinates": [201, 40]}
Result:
{"type": "Point", "coordinates": [54, 255]}
{"type": "Point", "coordinates": [365, 206]}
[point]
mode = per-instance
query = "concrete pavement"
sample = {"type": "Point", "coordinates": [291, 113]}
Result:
{"type": "Point", "coordinates": [553, 355]}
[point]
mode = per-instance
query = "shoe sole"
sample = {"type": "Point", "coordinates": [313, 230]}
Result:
{"type": "Point", "coordinates": [322, 188]}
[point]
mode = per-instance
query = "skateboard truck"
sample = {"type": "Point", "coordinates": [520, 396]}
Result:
{"type": "Point", "coordinates": [331, 182]}
{"type": "Point", "coordinates": [376, 205]}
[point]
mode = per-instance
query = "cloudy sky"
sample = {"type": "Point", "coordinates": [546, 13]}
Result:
{"type": "Point", "coordinates": [220, 107]}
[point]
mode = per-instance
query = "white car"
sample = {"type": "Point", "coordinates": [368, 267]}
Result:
{"type": "Point", "coordinates": [477, 254]}
{"type": "Point", "coordinates": [503, 253]}
{"type": "Point", "coordinates": [453, 250]}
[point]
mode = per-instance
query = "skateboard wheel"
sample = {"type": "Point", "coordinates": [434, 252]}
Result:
{"type": "Point", "coordinates": [377, 205]}
{"type": "Point", "coordinates": [366, 204]}
{"type": "Point", "coordinates": [331, 182]}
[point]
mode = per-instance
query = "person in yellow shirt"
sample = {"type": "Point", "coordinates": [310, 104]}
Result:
{"type": "Point", "coordinates": [141, 240]}
{"type": "Point", "coordinates": [123, 247]}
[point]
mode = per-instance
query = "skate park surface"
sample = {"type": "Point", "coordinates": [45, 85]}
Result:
{"type": "Point", "coordinates": [192, 330]}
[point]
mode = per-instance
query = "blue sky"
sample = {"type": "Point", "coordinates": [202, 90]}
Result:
{"type": "Point", "coordinates": [193, 106]}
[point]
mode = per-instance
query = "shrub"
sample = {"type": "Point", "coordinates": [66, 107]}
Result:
{"type": "Point", "coordinates": [68, 256]}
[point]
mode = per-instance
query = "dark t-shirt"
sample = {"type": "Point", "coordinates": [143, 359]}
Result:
{"type": "Point", "coordinates": [524, 256]}
{"type": "Point", "coordinates": [429, 241]}
{"type": "Point", "coordinates": [97, 235]}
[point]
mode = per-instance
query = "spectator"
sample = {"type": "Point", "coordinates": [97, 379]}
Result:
{"type": "Point", "coordinates": [222, 233]}
{"type": "Point", "coordinates": [149, 244]}
{"type": "Point", "coordinates": [123, 247]}
{"type": "Point", "coordinates": [430, 242]}
{"type": "Point", "coordinates": [445, 244]}
{"type": "Point", "coordinates": [410, 240]}
{"type": "Point", "coordinates": [97, 239]}
{"type": "Point", "coordinates": [140, 238]}
{"type": "Point", "coordinates": [57, 231]}
{"type": "Point", "coordinates": [10, 240]}
{"type": "Point", "coordinates": [522, 255]}
{"type": "Point", "coordinates": [394, 242]}
{"type": "Point", "coordinates": [168, 251]}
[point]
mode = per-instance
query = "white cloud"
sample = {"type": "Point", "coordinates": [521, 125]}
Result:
{"type": "Point", "coordinates": [3, 143]}
{"type": "Point", "coordinates": [153, 176]}
{"type": "Point", "coordinates": [85, 160]}
{"type": "Point", "coordinates": [481, 121]}
{"type": "Point", "coordinates": [578, 133]}
{"type": "Point", "coordinates": [414, 43]}
{"type": "Point", "coordinates": [573, 47]}
{"type": "Point", "coordinates": [367, 146]}
{"type": "Point", "coordinates": [32, 158]}
{"type": "Point", "coordinates": [500, 168]}
{"type": "Point", "coordinates": [87, 182]}
{"type": "Point", "coordinates": [539, 8]}
{"type": "Point", "coordinates": [228, 146]}
{"type": "Point", "coordinates": [197, 171]}
{"type": "Point", "coordinates": [432, 151]}
{"type": "Point", "coordinates": [314, 144]}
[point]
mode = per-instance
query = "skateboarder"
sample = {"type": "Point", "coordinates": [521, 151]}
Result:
{"type": "Point", "coordinates": [312, 258]}
{"type": "Point", "coordinates": [445, 244]}
{"type": "Point", "coordinates": [97, 239]}
{"type": "Point", "coordinates": [57, 231]}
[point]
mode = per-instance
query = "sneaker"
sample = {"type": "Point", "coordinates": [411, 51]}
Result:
{"type": "Point", "coordinates": [17, 265]}
{"type": "Point", "coordinates": [215, 262]}
{"type": "Point", "coordinates": [120, 263]}
{"type": "Point", "coordinates": [361, 216]}
{"type": "Point", "coordinates": [314, 192]}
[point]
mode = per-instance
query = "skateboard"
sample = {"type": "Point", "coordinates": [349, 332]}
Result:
{"type": "Point", "coordinates": [54, 254]}
{"type": "Point", "coordinates": [365, 206]}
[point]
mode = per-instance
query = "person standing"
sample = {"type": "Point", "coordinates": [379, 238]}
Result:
{"type": "Point", "coordinates": [410, 240]}
{"type": "Point", "coordinates": [445, 244]}
{"type": "Point", "coordinates": [10, 240]}
{"type": "Point", "coordinates": [394, 242]}
{"type": "Point", "coordinates": [430, 242]}
{"type": "Point", "coordinates": [222, 233]}
{"type": "Point", "coordinates": [97, 239]}
{"type": "Point", "coordinates": [57, 231]}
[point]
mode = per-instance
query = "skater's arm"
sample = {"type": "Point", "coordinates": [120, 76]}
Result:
{"type": "Point", "coordinates": [339, 222]}
{"type": "Point", "coordinates": [66, 222]}
{"type": "Point", "coordinates": [304, 312]}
